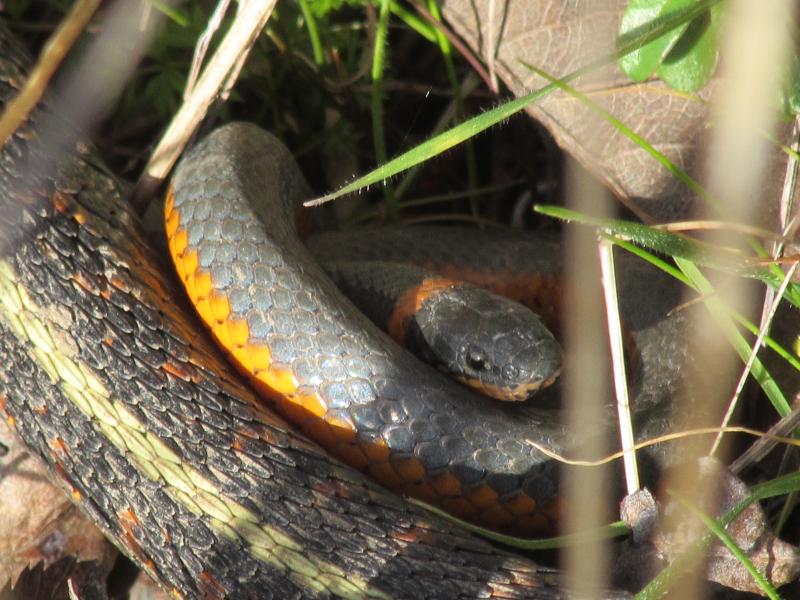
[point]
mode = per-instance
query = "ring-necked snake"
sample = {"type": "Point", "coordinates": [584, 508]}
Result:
{"type": "Point", "coordinates": [106, 376]}
{"type": "Point", "coordinates": [326, 368]}
{"type": "Point", "coordinates": [486, 341]}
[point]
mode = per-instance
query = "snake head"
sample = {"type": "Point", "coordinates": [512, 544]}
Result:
{"type": "Point", "coordinates": [487, 342]}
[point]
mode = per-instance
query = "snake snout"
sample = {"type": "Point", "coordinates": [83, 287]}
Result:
{"type": "Point", "coordinates": [493, 344]}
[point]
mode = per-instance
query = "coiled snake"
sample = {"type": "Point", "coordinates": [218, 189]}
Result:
{"type": "Point", "coordinates": [106, 375]}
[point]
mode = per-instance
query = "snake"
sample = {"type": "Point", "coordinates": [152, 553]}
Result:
{"type": "Point", "coordinates": [484, 340]}
{"type": "Point", "coordinates": [108, 376]}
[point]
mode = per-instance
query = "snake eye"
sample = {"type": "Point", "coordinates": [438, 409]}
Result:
{"type": "Point", "coordinates": [476, 359]}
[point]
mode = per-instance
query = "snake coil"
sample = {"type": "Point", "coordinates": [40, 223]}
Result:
{"type": "Point", "coordinates": [106, 377]}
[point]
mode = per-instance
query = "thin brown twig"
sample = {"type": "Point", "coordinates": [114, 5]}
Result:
{"type": "Point", "coordinates": [667, 437]}
{"type": "Point", "coordinates": [789, 185]}
{"type": "Point", "coordinates": [771, 300]}
{"type": "Point", "coordinates": [763, 446]}
{"type": "Point", "coordinates": [788, 222]}
{"type": "Point", "coordinates": [762, 332]}
{"type": "Point", "coordinates": [246, 26]}
{"type": "Point", "coordinates": [691, 302]}
{"type": "Point", "coordinates": [53, 53]}
{"type": "Point", "coordinates": [214, 23]}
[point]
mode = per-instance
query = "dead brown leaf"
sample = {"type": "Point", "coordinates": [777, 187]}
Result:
{"type": "Point", "coordinates": [39, 523]}
{"type": "Point", "coordinates": [560, 36]}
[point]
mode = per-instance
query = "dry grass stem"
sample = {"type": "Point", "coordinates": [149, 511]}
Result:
{"type": "Point", "coordinates": [585, 393]}
{"type": "Point", "coordinates": [789, 183]}
{"type": "Point", "coordinates": [246, 26]}
{"type": "Point", "coordinates": [491, 43]}
{"type": "Point", "coordinates": [763, 446]}
{"type": "Point", "coordinates": [203, 42]}
{"type": "Point", "coordinates": [767, 436]}
{"type": "Point", "coordinates": [762, 332]}
{"type": "Point", "coordinates": [706, 225]}
{"type": "Point", "coordinates": [53, 53]}
{"type": "Point", "coordinates": [608, 278]}
{"type": "Point", "coordinates": [755, 43]}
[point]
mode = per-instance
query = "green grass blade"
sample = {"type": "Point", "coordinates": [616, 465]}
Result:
{"type": "Point", "coordinates": [420, 26]}
{"type": "Point", "coordinates": [651, 258]}
{"type": "Point", "coordinates": [313, 33]}
{"type": "Point", "coordinates": [378, 66]}
{"type": "Point", "coordinates": [659, 263]}
{"type": "Point", "coordinates": [780, 486]}
{"type": "Point", "coordinates": [686, 252]}
{"type": "Point", "coordinates": [670, 166]}
{"type": "Point", "coordinates": [602, 533]}
{"type": "Point", "coordinates": [669, 243]}
{"type": "Point", "coordinates": [176, 15]}
{"type": "Point", "coordinates": [476, 125]}
{"type": "Point", "coordinates": [793, 292]}
{"type": "Point", "coordinates": [719, 530]}
{"type": "Point", "coordinates": [719, 311]}
{"type": "Point", "coordinates": [447, 54]}
{"type": "Point", "coordinates": [771, 343]}
{"type": "Point", "coordinates": [436, 145]}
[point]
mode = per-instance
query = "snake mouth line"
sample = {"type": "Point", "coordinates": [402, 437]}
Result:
{"type": "Point", "coordinates": [520, 393]}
